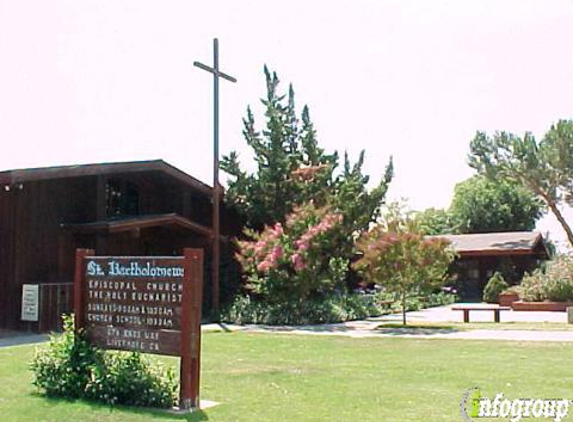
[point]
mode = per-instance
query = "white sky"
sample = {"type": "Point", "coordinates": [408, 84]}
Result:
{"type": "Point", "coordinates": [95, 81]}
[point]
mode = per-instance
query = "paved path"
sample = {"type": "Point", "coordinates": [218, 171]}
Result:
{"type": "Point", "coordinates": [443, 314]}
{"type": "Point", "coordinates": [17, 339]}
{"type": "Point", "coordinates": [446, 314]}
{"type": "Point", "coordinates": [418, 333]}
{"type": "Point", "coordinates": [371, 328]}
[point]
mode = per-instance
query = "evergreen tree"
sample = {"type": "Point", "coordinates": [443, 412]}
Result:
{"type": "Point", "coordinates": [292, 169]}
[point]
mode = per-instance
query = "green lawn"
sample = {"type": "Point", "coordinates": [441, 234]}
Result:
{"type": "Point", "coordinates": [263, 377]}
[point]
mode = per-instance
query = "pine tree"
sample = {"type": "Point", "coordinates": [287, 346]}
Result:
{"type": "Point", "coordinates": [292, 169]}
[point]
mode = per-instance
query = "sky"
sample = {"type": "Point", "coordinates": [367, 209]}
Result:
{"type": "Point", "coordinates": [104, 81]}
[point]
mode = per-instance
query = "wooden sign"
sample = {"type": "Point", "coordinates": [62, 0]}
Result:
{"type": "Point", "coordinates": [145, 304]}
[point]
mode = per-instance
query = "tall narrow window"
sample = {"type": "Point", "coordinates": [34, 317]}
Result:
{"type": "Point", "coordinates": [122, 199]}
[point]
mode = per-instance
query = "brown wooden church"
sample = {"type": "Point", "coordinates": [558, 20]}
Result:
{"type": "Point", "coordinates": [131, 208]}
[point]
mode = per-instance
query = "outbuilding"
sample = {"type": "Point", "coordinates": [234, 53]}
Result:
{"type": "Point", "coordinates": [480, 255]}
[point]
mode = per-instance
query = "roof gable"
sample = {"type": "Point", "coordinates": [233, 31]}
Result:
{"type": "Point", "coordinates": [498, 243]}
{"type": "Point", "coordinates": [10, 177]}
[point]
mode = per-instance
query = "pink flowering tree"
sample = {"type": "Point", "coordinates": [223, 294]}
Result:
{"type": "Point", "coordinates": [295, 260]}
{"type": "Point", "coordinates": [398, 256]}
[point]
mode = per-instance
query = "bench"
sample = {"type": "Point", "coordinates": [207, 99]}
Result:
{"type": "Point", "coordinates": [495, 308]}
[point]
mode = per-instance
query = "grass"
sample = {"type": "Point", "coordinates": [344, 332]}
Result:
{"type": "Point", "coordinates": [264, 377]}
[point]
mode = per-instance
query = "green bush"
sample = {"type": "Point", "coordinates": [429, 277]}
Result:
{"type": "Point", "coordinates": [440, 299]}
{"type": "Point", "coordinates": [494, 287]}
{"type": "Point", "coordinates": [127, 378]}
{"type": "Point", "coordinates": [330, 309]}
{"type": "Point", "coordinates": [65, 368]}
{"type": "Point", "coordinates": [71, 367]}
{"type": "Point", "coordinates": [554, 282]}
{"type": "Point", "coordinates": [421, 301]}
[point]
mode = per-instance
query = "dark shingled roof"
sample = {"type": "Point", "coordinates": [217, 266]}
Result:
{"type": "Point", "coordinates": [10, 177]}
{"type": "Point", "coordinates": [116, 225]}
{"type": "Point", "coordinates": [504, 243]}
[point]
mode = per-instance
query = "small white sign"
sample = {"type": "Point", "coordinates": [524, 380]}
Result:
{"type": "Point", "coordinates": [30, 302]}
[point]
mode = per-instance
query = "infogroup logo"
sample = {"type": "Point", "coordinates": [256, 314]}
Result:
{"type": "Point", "coordinates": [474, 406]}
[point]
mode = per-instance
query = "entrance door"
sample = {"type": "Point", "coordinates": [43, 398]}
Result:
{"type": "Point", "coordinates": [469, 281]}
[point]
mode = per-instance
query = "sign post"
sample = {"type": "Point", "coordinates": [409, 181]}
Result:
{"type": "Point", "coordinates": [191, 337]}
{"type": "Point", "coordinates": [145, 304]}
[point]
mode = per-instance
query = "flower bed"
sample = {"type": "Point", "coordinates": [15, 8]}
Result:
{"type": "Point", "coordinates": [507, 299]}
{"type": "Point", "coordinates": [541, 306]}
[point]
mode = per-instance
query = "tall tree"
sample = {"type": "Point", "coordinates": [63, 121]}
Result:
{"type": "Point", "coordinates": [544, 167]}
{"type": "Point", "coordinates": [292, 169]}
{"type": "Point", "coordinates": [481, 205]}
{"type": "Point", "coordinates": [434, 221]}
{"type": "Point", "coordinates": [397, 255]}
{"type": "Point", "coordinates": [281, 151]}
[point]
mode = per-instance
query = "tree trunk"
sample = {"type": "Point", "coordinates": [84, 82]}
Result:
{"type": "Point", "coordinates": [555, 209]}
{"type": "Point", "coordinates": [403, 308]}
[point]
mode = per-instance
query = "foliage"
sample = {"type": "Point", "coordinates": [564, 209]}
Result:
{"type": "Point", "coordinates": [292, 170]}
{"type": "Point", "coordinates": [434, 221]}
{"type": "Point", "coordinates": [127, 378]}
{"type": "Point", "coordinates": [544, 167]}
{"type": "Point", "coordinates": [439, 299]}
{"type": "Point", "coordinates": [481, 205]}
{"type": "Point", "coordinates": [495, 285]}
{"type": "Point", "coordinates": [65, 368]}
{"type": "Point", "coordinates": [71, 367]}
{"type": "Point", "coordinates": [397, 255]}
{"type": "Point", "coordinates": [418, 301]}
{"type": "Point", "coordinates": [553, 282]}
{"type": "Point", "coordinates": [332, 308]}
{"type": "Point", "coordinates": [296, 261]}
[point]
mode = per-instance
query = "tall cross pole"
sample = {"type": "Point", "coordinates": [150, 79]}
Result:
{"type": "Point", "coordinates": [215, 258]}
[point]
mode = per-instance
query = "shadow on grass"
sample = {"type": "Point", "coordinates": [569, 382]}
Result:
{"type": "Point", "coordinates": [389, 327]}
{"type": "Point", "coordinates": [415, 329]}
{"type": "Point", "coordinates": [156, 413]}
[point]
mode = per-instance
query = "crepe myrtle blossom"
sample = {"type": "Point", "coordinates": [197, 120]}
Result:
{"type": "Point", "coordinates": [298, 262]}
{"type": "Point", "coordinates": [292, 257]}
{"type": "Point", "coordinates": [274, 247]}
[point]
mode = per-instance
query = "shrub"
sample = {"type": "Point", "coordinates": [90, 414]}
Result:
{"type": "Point", "coordinates": [65, 367]}
{"type": "Point", "coordinates": [396, 255]}
{"type": "Point", "coordinates": [494, 287]}
{"type": "Point", "coordinates": [71, 367]}
{"type": "Point", "coordinates": [440, 299]}
{"type": "Point", "coordinates": [421, 301]}
{"type": "Point", "coordinates": [532, 288]}
{"type": "Point", "coordinates": [553, 283]}
{"type": "Point", "coordinates": [294, 262]}
{"type": "Point", "coordinates": [329, 309]}
{"type": "Point", "coordinates": [127, 378]}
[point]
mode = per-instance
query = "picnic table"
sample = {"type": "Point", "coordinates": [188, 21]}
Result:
{"type": "Point", "coordinates": [496, 309]}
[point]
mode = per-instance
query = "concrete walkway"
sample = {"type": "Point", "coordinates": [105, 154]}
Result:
{"type": "Point", "coordinates": [444, 314]}
{"type": "Point", "coordinates": [374, 327]}
{"type": "Point", "coordinates": [347, 330]}
{"type": "Point", "coordinates": [16, 338]}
